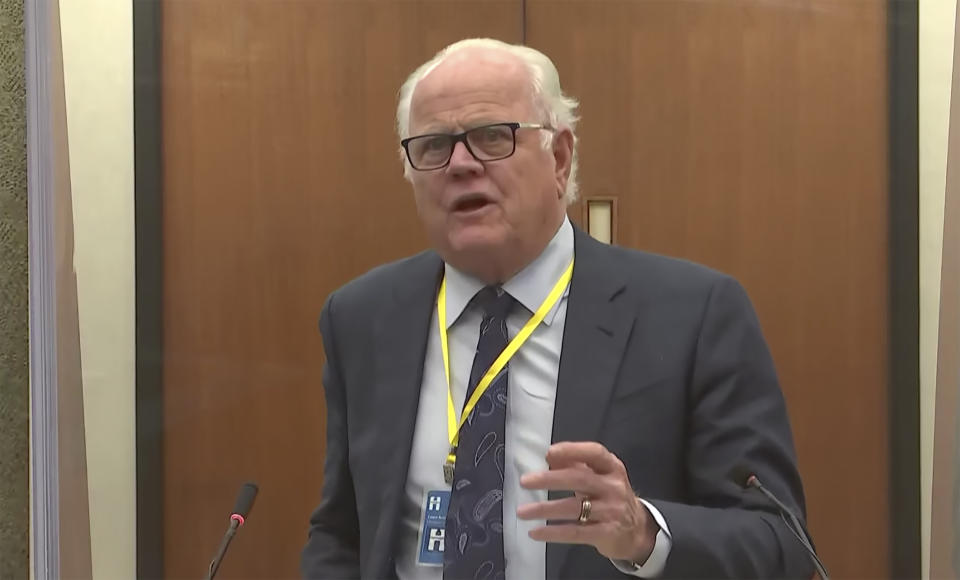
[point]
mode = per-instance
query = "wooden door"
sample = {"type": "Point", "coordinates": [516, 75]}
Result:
{"type": "Point", "coordinates": [752, 137]}
{"type": "Point", "coordinates": [281, 182]}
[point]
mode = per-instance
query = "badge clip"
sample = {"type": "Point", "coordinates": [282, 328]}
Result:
{"type": "Point", "coordinates": [449, 466]}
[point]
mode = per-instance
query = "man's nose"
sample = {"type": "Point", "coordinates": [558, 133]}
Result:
{"type": "Point", "coordinates": [462, 161]}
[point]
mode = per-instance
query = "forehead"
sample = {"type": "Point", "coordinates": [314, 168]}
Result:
{"type": "Point", "coordinates": [471, 87]}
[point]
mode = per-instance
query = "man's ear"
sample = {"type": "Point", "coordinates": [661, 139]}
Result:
{"type": "Point", "coordinates": [562, 150]}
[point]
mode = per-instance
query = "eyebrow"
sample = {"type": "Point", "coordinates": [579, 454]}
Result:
{"type": "Point", "coordinates": [447, 130]}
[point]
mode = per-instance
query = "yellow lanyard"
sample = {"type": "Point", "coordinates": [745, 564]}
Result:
{"type": "Point", "coordinates": [453, 427]}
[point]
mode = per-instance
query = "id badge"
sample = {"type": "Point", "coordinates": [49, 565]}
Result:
{"type": "Point", "coordinates": [435, 506]}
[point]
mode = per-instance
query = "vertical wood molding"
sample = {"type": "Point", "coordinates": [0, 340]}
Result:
{"type": "Point", "coordinates": [904, 300]}
{"type": "Point", "coordinates": [148, 226]}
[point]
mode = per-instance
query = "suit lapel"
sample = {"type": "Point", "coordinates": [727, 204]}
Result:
{"type": "Point", "coordinates": [598, 323]}
{"type": "Point", "coordinates": [401, 342]}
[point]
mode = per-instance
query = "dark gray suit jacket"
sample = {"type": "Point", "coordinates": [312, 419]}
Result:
{"type": "Point", "coordinates": [663, 362]}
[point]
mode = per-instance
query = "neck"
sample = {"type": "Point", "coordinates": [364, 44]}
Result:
{"type": "Point", "coordinates": [497, 272]}
{"type": "Point", "coordinates": [496, 266]}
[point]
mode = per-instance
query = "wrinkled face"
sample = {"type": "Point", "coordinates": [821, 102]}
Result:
{"type": "Point", "coordinates": [486, 216]}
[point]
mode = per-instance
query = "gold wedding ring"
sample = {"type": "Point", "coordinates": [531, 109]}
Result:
{"type": "Point", "coordinates": [585, 507]}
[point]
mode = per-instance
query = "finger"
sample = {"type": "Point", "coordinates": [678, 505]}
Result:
{"type": "Point", "coordinates": [557, 463]}
{"type": "Point", "coordinates": [591, 453]}
{"type": "Point", "coordinates": [566, 510]}
{"type": "Point", "coordinates": [558, 509]}
{"type": "Point", "coordinates": [590, 534]}
{"type": "Point", "coordinates": [572, 479]}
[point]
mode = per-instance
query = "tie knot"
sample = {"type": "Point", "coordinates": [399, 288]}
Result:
{"type": "Point", "coordinates": [494, 301]}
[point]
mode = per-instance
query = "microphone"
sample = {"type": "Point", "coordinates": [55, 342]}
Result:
{"type": "Point", "coordinates": [747, 479]}
{"type": "Point", "coordinates": [248, 492]}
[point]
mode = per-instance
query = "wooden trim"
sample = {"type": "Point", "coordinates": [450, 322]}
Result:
{"type": "Point", "coordinates": [149, 285]}
{"type": "Point", "coordinates": [904, 272]}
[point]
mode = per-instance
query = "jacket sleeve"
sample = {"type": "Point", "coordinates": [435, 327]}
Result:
{"type": "Point", "coordinates": [737, 416]}
{"type": "Point", "coordinates": [332, 549]}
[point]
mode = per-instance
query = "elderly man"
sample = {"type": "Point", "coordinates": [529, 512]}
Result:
{"type": "Point", "coordinates": [524, 402]}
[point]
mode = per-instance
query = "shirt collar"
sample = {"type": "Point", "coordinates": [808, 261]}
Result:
{"type": "Point", "coordinates": [530, 286]}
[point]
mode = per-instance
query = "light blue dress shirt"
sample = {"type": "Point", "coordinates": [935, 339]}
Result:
{"type": "Point", "coordinates": [529, 423]}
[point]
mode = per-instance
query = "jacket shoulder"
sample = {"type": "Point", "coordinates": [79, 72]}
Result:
{"type": "Point", "coordinates": [379, 284]}
{"type": "Point", "coordinates": [661, 275]}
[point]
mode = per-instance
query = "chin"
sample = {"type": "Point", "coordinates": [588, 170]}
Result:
{"type": "Point", "coordinates": [471, 240]}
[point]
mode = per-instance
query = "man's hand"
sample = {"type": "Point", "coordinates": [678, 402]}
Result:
{"type": "Point", "coordinates": [620, 527]}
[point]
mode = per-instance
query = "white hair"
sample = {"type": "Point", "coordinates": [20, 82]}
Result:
{"type": "Point", "coordinates": [558, 110]}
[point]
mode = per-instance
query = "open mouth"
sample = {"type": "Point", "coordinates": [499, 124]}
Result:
{"type": "Point", "coordinates": [471, 202]}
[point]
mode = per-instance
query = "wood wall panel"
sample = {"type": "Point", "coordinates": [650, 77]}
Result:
{"type": "Point", "coordinates": [281, 182]}
{"type": "Point", "coordinates": [752, 136]}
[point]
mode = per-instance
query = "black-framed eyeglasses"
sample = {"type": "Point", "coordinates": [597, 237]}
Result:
{"type": "Point", "coordinates": [486, 143]}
